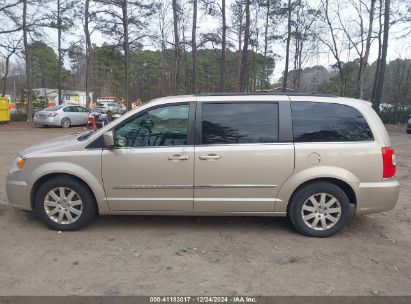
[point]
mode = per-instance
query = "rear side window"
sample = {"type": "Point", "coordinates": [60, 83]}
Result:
{"type": "Point", "coordinates": [328, 122]}
{"type": "Point", "coordinates": [238, 123]}
{"type": "Point", "coordinates": [70, 109]}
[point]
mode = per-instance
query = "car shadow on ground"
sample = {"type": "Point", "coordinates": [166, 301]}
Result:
{"type": "Point", "coordinates": [359, 225]}
{"type": "Point", "coordinates": [194, 223]}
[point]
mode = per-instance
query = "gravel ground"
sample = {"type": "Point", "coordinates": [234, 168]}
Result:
{"type": "Point", "coordinates": [152, 255]}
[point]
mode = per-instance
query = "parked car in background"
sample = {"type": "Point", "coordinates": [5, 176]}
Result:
{"type": "Point", "coordinates": [312, 158]}
{"type": "Point", "coordinates": [62, 116]}
{"type": "Point", "coordinates": [104, 106]}
{"type": "Point", "coordinates": [409, 125]}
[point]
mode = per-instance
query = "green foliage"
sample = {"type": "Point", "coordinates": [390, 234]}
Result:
{"type": "Point", "coordinates": [349, 76]}
{"type": "Point", "coordinates": [152, 72]}
{"type": "Point", "coordinates": [18, 116]}
{"type": "Point", "coordinates": [44, 65]}
{"type": "Point", "coordinates": [398, 113]}
{"type": "Point", "coordinates": [396, 101]}
{"type": "Point", "coordinates": [397, 83]}
{"type": "Point", "coordinates": [148, 76]}
{"type": "Point", "coordinates": [108, 70]}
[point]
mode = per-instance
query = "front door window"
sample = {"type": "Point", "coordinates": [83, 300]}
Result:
{"type": "Point", "coordinates": [163, 126]}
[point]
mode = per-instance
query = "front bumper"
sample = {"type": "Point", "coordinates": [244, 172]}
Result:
{"type": "Point", "coordinates": [376, 196]}
{"type": "Point", "coordinates": [18, 192]}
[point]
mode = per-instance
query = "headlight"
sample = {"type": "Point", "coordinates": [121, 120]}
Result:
{"type": "Point", "coordinates": [18, 164]}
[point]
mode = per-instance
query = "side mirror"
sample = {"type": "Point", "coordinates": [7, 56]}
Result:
{"type": "Point", "coordinates": [108, 138]}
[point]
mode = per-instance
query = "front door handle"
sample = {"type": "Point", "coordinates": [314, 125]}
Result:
{"type": "Point", "coordinates": [210, 157]}
{"type": "Point", "coordinates": [178, 157]}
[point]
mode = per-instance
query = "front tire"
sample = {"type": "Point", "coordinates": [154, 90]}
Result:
{"type": "Point", "coordinates": [64, 203]}
{"type": "Point", "coordinates": [319, 209]}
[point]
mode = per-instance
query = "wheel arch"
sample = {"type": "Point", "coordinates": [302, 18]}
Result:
{"type": "Point", "coordinates": [49, 176]}
{"type": "Point", "coordinates": [344, 186]}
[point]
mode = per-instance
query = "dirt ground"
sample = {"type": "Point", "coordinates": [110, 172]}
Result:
{"type": "Point", "coordinates": [158, 255]}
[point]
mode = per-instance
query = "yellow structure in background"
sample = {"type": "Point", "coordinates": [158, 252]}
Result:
{"type": "Point", "coordinates": [4, 109]}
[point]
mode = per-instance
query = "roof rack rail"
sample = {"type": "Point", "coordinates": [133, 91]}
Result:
{"type": "Point", "coordinates": [266, 93]}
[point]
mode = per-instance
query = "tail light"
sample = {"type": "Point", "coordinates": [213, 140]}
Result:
{"type": "Point", "coordinates": [389, 163]}
{"type": "Point", "coordinates": [52, 114]}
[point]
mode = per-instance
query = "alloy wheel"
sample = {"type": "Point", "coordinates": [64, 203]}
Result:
{"type": "Point", "coordinates": [63, 205]}
{"type": "Point", "coordinates": [65, 123]}
{"type": "Point", "coordinates": [321, 211]}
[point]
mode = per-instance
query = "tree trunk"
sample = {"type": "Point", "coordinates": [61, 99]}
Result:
{"type": "Point", "coordinates": [256, 44]}
{"type": "Point", "coordinates": [254, 89]}
{"type": "Point", "coordinates": [377, 69]}
{"type": "Point", "coordinates": [294, 72]}
{"type": "Point", "coordinates": [240, 41]}
{"type": "Point", "coordinates": [28, 64]}
{"type": "Point", "coordinates": [184, 56]}
{"type": "Point", "coordinates": [244, 62]}
{"type": "Point", "coordinates": [6, 74]}
{"type": "Point", "coordinates": [176, 48]}
{"type": "Point", "coordinates": [194, 49]}
{"type": "Point", "coordinates": [287, 50]}
{"type": "Point", "coordinates": [88, 50]}
{"type": "Point", "coordinates": [367, 50]}
{"type": "Point", "coordinates": [60, 55]}
{"type": "Point", "coordinates": [267, 20]}
{"type": "Point", "coordinates": [334, 50]}
{"type": "Point", "coordinates": [126, 48]}
{"type": "Point", "coordinates": [300, 65]}
{"type": "Point", "coordinates": [381, 74]}
{"type": "Point", "coordinates": [223, 47]}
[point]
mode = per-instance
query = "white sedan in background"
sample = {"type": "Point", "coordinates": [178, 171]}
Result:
{"type": "Point", "coordinates": [62, 116]}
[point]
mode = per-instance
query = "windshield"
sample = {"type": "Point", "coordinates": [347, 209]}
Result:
{"type": "Point", "coordinates": [84, 136]}
{"type": "Point", "coordinates": [55, 108]}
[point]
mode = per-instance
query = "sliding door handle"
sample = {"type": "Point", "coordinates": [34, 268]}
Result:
{"type": "Point", "coordinates": [210, 157]}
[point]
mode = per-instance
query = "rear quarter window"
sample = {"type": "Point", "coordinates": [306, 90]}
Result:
{"type": "Point", "coordinates": [328, 122]}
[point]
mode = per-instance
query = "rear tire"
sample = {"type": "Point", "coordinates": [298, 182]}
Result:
{"type": "Point", "coordinates": [65, 123]}
{"type": "Point", "coordinates": [64, 203]}
{"type": "Point", "coordinates": [319, 209]}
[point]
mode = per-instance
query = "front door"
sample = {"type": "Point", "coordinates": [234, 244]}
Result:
{"type": "Point", "coordinates": [240, 160]}
{"type": "Point", "coordinates": [151, 165]}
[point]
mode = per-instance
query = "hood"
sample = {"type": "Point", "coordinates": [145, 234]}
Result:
{"type": "Point", "coordinates": [64, 143]}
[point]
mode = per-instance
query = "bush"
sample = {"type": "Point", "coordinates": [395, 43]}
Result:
{"type": "Point", "coordinates": [395, 114]}
{"type": "Point", "coordinates": [18, 116]}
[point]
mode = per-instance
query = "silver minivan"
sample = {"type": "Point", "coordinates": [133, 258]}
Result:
{"type": "Point", "coordinates": [316, 159]}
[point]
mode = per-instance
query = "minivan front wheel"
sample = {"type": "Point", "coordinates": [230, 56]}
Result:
{"type": "Point", "coordinates": [64, 203]}
{"type": "Point", "coordinates": [319, 209]}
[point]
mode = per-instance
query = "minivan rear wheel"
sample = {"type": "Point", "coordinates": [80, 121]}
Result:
{"type": "Point", "coordinates": [64, 203]}
{"type": "Point", "coordinates": [319, 209]}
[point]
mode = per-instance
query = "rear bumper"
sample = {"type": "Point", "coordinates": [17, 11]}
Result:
{"type": "Point", "coordinates": [48, 121]}
{"type": "Point", "coordinates": [376, 196]}
{"type": "Point", "coordinates": [18, 192]}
